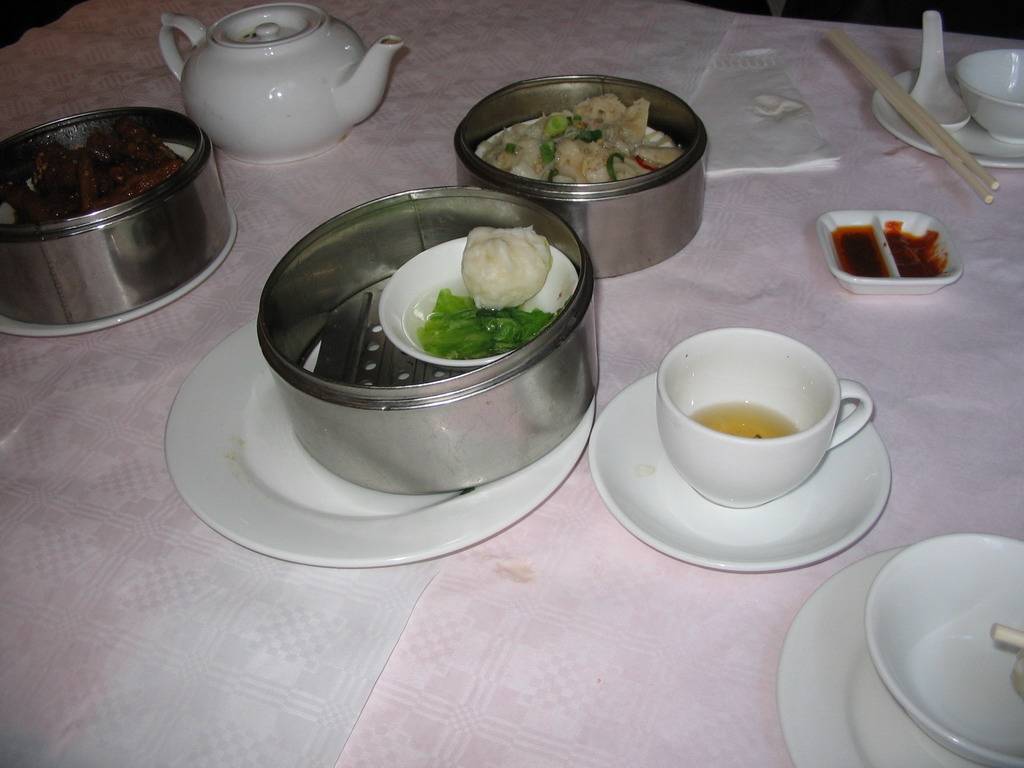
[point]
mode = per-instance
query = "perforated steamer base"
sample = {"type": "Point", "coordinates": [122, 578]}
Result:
{"type": "Point", "coordinates": [354, 350]}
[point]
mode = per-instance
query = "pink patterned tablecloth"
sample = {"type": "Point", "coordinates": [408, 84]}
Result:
{"type": "Point", "coordinates": [131, 634]}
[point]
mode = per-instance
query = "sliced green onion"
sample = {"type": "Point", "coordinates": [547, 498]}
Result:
{"type": "Point", "coordinates": [556, 125]}
{"type": "Point", "coordinates": [589, 136]}
{"type": "Point", "coordinates": [611, 165]}
{"type": "Point", "coordinates": [510, 148]}
{"type": "Point", "coordinates": [547, 152]}
{"type": "Point", "coordinates": [552, 173]}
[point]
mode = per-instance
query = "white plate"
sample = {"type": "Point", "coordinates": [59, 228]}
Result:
{"type": "Point", "coordinates": [972, 137]}
{"type": "Point", "coordinates": [19, 328]}
{"type": "Point", "coordinates": [914, 223]}
{"type": "Point", "coordinates": [834, 508]}
{"type": "Point", "coordinates": [235, 461]}
{"type": "Point", "coordinates": [833, 707]}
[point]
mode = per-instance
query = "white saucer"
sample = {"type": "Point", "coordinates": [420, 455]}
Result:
{"type": "Point", "coordinates": [834, 508]}
{"type": "Point", "coordinates": [19, 328]}
{"type": "Point", "coordinates": [972, 137]}
{"type": "Point", "coordinates": [235, 461]}
{"type": "Point", "coordinates": [834, 708]}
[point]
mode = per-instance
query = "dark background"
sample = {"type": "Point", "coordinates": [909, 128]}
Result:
{"type": "Point", "coordinates": [32, 13]}
{"type": "Point", "coordinates": [999, 18]}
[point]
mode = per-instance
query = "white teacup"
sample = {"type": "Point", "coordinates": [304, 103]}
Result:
{"type": "Point", "coordinates": [721, 368]}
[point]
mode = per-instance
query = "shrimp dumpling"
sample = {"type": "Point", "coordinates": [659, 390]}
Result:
{"type": "Point", "coordinates": [503, 267]}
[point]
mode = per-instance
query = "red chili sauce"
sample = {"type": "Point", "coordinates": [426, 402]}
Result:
{"type": "Point", "coordinates": [858, 251]}
{"type": "Point", "coordinates": [914, 256]}
{"type": "Point", "coordinates": [860, 255]}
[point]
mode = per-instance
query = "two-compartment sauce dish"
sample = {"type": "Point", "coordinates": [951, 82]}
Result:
{"type": "Point", "coordinates": [888, 251]}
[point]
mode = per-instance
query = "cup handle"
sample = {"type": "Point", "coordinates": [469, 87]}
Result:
{"type": "Point", "coordinates": [855, 420]}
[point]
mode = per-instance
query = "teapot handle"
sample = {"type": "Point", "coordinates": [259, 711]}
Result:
{"type": "Point", "coordinates": [193, 30]}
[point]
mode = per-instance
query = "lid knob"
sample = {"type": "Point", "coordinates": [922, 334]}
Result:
{"type": "Point", "coordinates": [267, 31]}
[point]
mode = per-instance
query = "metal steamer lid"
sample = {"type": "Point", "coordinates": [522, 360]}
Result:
{"type": "Point", "coordinates": [268, 25]}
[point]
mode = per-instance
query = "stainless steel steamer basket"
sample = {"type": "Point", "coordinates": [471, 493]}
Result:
{"type": "Point", "coordinates": [119, 258]}
{"type": "Point", "coordinates": [626, 225]}
{"type": "Point", "coordinates": [385, 421]}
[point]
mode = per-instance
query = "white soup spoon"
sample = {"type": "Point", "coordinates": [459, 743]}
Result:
{"type": "Point", "coordinates": [932, 89]}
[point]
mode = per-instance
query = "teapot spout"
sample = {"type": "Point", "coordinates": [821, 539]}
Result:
{"type": "Point", "coordinates": [360, 95]}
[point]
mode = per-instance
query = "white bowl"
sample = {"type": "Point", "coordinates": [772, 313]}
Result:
{"type": "Point", "coordinates": [914, 223]}
{"type": "Point", "coordinates": [992, 87]}
{"type": "Point", "coordinates": [410, 294]}
{"type": "Point", "coordinates": [927, 618]}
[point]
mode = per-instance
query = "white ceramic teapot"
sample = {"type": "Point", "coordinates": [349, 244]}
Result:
{"type": "Point", "coordinates": [276, 83]}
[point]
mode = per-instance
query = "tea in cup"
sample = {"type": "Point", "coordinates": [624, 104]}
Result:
{"type": "Point", "coordinates": [746, 415]}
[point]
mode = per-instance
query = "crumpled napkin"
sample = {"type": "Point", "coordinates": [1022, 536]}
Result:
{"type": "Point", "coordinates": [755, 117]}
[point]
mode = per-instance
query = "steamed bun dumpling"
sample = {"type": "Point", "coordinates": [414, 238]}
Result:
{"type": "Point", "coordinates": [504, 267]}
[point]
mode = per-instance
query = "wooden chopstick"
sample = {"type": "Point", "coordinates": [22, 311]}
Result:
{"type": "Point", "coordinates": [938, 137]}
{"type": "Point", "coordinates": [1003, 634]}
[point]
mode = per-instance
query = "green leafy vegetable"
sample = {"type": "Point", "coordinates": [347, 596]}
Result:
{"type": "Point", "coordinates": [458, 330]}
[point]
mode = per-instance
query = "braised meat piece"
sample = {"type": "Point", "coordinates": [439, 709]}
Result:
{"type": "Point", "coordinates": [112, 167]}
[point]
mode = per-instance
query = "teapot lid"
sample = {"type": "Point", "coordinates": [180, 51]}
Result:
{"type": "Point", "coordinates": [268, 24]}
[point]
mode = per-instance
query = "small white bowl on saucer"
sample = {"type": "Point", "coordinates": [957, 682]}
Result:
{"type": "Point", "coordinates": [409, 296]}
{"type": "Point", "coordinates": [992, 87]}
{"type": "Point", "coordinates": [928, 616]}
{"type": "Point", "coordinates": [915, 224]}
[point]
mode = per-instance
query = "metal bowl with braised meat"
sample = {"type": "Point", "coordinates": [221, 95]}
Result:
{"type": "Point", "coordinates": [104, 216]}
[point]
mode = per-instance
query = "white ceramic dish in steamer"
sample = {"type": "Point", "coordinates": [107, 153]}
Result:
{"type": "Point", "coordinates": [928, 616]}
{"type": "Point", "coordinates": [409, 296]}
